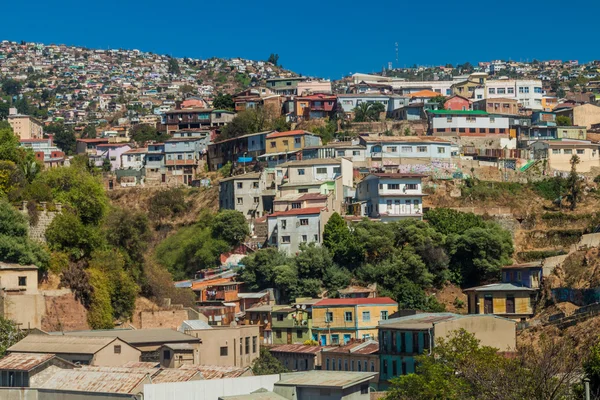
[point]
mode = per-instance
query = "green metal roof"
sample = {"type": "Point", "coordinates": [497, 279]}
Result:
{"type": "Point", "coordinates": [458, 112]}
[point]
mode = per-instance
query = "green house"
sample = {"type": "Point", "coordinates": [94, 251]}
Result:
{"type": "Point", "coordinates": [292, 324]}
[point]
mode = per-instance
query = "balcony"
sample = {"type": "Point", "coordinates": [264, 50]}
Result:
{"type": "Point", "coordinates": [376, 154]}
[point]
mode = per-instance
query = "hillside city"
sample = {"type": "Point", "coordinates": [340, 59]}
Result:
{"type": "Point", "coordinates": [180, 228]}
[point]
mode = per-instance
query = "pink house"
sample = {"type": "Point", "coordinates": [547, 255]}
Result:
{"type": "Point", "coordinates": [112, 151]}
{"type": "Point", "coordinates": [457, 103]}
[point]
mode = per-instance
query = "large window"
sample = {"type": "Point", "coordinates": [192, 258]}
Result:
{"type": "Point", "coordinates": [223, 351]}
{"type": "Point", "coordinates": [348, 316]}
{"type": "Point", "coordinates": [304, 221]}
{"type": "Point", "coordinates": [321, 170]}
{"type": "Point", "coordinates": [366, 316]}
{"type": "Point", "coordinates": [328, 316]}
{"type": "Point", "coordinates": [393, 186]}
{"type": "Point", "coordinates": [412, 186]}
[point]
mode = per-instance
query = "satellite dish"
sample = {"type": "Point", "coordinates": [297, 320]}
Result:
{"type": "Point", "coordinates": [266, 321]}
{"type": "Point", "coordinates": [304, 306]}
{"type": "Point", "coordinates": [297, 305]}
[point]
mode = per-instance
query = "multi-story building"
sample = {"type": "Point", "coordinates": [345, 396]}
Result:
{"type": "Point", "coordinates": [251, 194]}
{"type": "Point", "coordinates": [292, 324]}
{"type": "Point", "coordinates": [394, 150]}
{"type": "Point", "coordinates": [228, 346]}
{"type": "Point", "coordinates": [313, 106]}
{"type": "Point", "coordinates": [390, 196]}
{"type": "Point", "coordinates": [497, 105]}
{"type": "Point", "coordinates": [287, 230]}
{"type": "Point", "coordinates": [391, 102]}
{"type": "Point", "coordinates": [298, 357]}
{"type": "Point", "coordinates": [284, 86]}
{"type": "Point", "coordinates": [308, 87]}
{"type": "Point", "coordinates": [25, 127]}
{"type": "Point", "coordinates": [255, 97]}
{"type": "Point", "coordinates": [355, 356]}
{"type": "Point", "coordinates": [558, 153]}
{"type": "Point", "coordinates": [529, 93]}
{"type": "Point", "coordinates": [132, 171]}
{"type": "Point", "coordinates": [337, 321]}
{"type": "Point", "coordinates": [110, 151]}
{"type": "Point", "coordinates": [286, 146]}
{"type": "Point", "coordinates": [350, 150]}
{"type": "Point", "coordinates": [580, 115]}
{"type": "Point", "coordinates": [45, 151]}
{"type": "Point", "coordinates": [197, 118]}
{"type": "Point", "coordinates": [183, 155]}
{"type": "Point", "coordinates": [402, 339]}
{"type": "Point", "coordinates": [453, 123]}
{"type": "Point", "coordinates": [248, 146]}
{"type": "Point", "coordinates": [512, 298]}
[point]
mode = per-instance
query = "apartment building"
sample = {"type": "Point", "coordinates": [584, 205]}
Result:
{"type": "Point", "coordinates": [391, 102]}
{"type": "Point", "coordinates": [231, 150]}
{"type": "Point", "coordinates": [390, 196]}
{"type": "Point", "coordinates": [558, 154]}
{"type": "Point", "coordinates": [528, 93]}
{"type": "Point", "coordinates": [356, 356]}
{"type": "Point", "coordinates": [382, 151]}
{"type": "Point", "coordinates": [197, 118]}
{"type": "Point", "coordinates": [453, 123]}
{"type": "Point", "coordinates": [497, 106]}
{"type": "Point", "coordinates": [284, 86]}
{"type": "Point", "coordinates": [286, 146]}
{"type": "Point", "coordinates": [251, 194]}
{"type": "Point", "coordinates": [25, 126]}
{"type": "Point", "coordinates": [228, 346]}
{"type": "Point", "coordinates": [287, 230]}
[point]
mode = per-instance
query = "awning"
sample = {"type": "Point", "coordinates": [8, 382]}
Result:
{"type": "Point", "coordinates": [278, 154]}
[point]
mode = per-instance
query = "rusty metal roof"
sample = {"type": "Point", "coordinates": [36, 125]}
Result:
{"type": "Point", "coordinates": [138, 336]}
{"type": "Point", "coordinates": [176, 375]}
{"type": "Point", "coordinates": [326, 379]}
{"type": "Point", "coordinates": [217, 372]}
{"type": "Point", "coordinates": [24, 361]}
{"type": "Point", "coordinates": [95, 381]}
{"type": "Point", "coordinates": [296, 348]}
{"type": "Point", "coordinates": [141, 364]}
{"type": "Point", "coordinates": [355, 347]}
{"type": "Point", "coordinates": [58, 344]}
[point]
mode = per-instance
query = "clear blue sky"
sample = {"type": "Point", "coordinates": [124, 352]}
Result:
{"type": "Point", "coordinates": [327, 38]}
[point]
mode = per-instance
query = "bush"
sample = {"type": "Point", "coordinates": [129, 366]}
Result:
{"type": "Point", "coordinates": [483, 190]}
{"type": "Point", "coordinates": [528, 256]}
{"type": "Point", "coordinates": [551, 188]}
{"type": "Point", "coordinates": [167, 203]}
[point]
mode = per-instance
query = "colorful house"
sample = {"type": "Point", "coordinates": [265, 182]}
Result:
{"type": "Point", "coordinates": [513, 298]}
{"type": "Point", "coordinates": [287, 146]}
{"type": "Point", "coordinates": [457, 102]}
{"type": "Point", "coordinates": [292, 324]}
{"type": "Point", "coordinates": [337, 321]}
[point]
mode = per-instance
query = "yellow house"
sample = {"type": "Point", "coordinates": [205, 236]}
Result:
{"type": "Point", "coordinates": [503, 299]}
{"type": "Point", "coordinates": [290, 142]}
{"type": "Point", "coordinates": [337, 321]}
{"type": "Point", "coordinates": [572, 132]}
{"type": "Point", "coordinates": [465, 88]}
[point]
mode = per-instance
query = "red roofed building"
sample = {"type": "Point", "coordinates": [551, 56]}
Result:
{"type": "Point", "coordinates": [356, 356]}
{"type": "Point", "coordinates": [337, 321]}
{"type": "Point", "coordinates": [315, 106]}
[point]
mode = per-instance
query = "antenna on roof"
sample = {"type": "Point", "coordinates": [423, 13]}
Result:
{"type": "Point", "coordinates": [396, 53]}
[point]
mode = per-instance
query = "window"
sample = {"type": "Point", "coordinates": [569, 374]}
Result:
{"type": "Point", "coordinates": [580, 151]}
{"type": "Point", "coordinates": [316, 238]}
{"type": "Point", "coordinates": [321, 170]}
{"type": "Point", "coordinates": [441, 150]}
{"type": "Point", "coordinates": [492, 90]}
{"type": "Point", "coordinates": [502, 130]}
{"type": "Point", "coordinates": [384, 315]}
{"type": "Point", "coordinates": [328, 317]}
{"type": "Point", "coordinates": [273, 144]}
{"type": "Point", "coordinates": [472, 130]}
{"type": "Point", "coordinates": [345, 364]}
{"type": "Point", "coordinates": [304, 221]}
{"type": "Point", "coordinates": [297, 140]}
{"type": "Point", "coordinates": [356, 153]}
{"type": "Point", "coordinates": [335, 339]}
{"type": "Point", "coordinates": [492, 130]}
{"type": "Point", "coordinates": [304, 238]}
{"type": "Point", "coordinates": [279, 317]}
{"type": "Point", "coordinates": [471, 119]}
{"type": "Point", "coordinates": [501, 91]}
{"type": "Point", "coordinates": [393, 186]}
{"type": "Point", "coordinates": [327, 364]}
{"type": "Point", "coordinates": [285, 143]}
{"type": "Point", "coordinates": [283, 223]}
{"type": "Point", "coordinates": [352, 365]}
{"type": "Point", "coordinates": [337, 170]}
{"type": "Point", "coordinates": [302, 190]}
{"type": "Point", "coordinates": [394, 368]}
{"type": "Point", "coordinates": [285, 239]}
{"type": "Point", "coordinates": [296, 206]}
{"type": "Point", "coordinates": [240, 201]}
{"type": "Point", "coordinates": [385, 367]}
{"type": "Point", "coordinates": [448, 119]}
{"type": "Point", "coordinates": [461, 130]}
{"type": "Point", "coordinates": [166, 355]}
{"type": "Point", "coordinates": [247, 343]}
{"type": "Point", "coordinates": [421, 149]}
{"type": "Point", "coordinates": [348, 316]}
{"type": "Point", "coordinates": [518, 275]}
{"type": "Point", "coordinates": [299, 333]}
{"type": "Point", "coordinates": [411, 186]}
{"type": "Point", "coordinates": [278, 334]}
{"type": "Point", "coordinates": [256, 200]}
{"type": "Point", "coordinates": [255, 185]}
{"type": "Point", "coordinates": [407, 149]}
{"type": "Point", "coordinates": [22, 281]}
{"type": "Point", "coordinates": [567, 151]}
{"type": "Point", "coordinates": [341, 153]}
{"type": "Point", "coordinates": [366, 316]}
{"type": "Point", "coordinates": [510, 90]}
{"type": "Point", "coordinates": [359, 364]}
{"type": "Point", "coordinates": [537, 90]}
{"type": "Point", "coordinates": [117, 349]}
{"type": "Point", "coordinates": [224, 351]}
{"type": "Point", "coordinates": [339, 363]}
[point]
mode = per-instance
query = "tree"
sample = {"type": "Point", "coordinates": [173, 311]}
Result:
{"type": "Point", "coordinates": [563, 120]}
{"type": "Point", "coordinates": [440, 101]}
{"type": "Point", "coordinates": [230, 226]}
{"type": "Point", "coordinates": [9, 334]}
{"type": "Point", "coordinates": [11, 87]}
{"type": "Point", "coordinates": [173, 66]}
{"type": "Point", "coordinates": [449, 221]}
{"type": "Point", "coordinates": [574, 194]}
{"type": "Point", "coordinates": [411, 296]}
{"type": "Point", "coordinates": [273, 59]}
{"type": "Point", "coordinates": [15, 245]}
{"type": "Point", "coordinates": [63, 137]}
{"type": "Point", "coordinates": [248, 121]}
{"type": "Point", "coordinates": [366, 112]}
{"type": "Point", "coordinates": [167, 203]}
{"type": "Point", "coordinates": [224, 102]}
{"type": "Point", "coordinates": [89, 132]}
{"type": "Point", "coordinates": [266, 364]}
{"type": "Point", "coordinates": [11, 151]}
{"type": "Point", "coordinates": [142, 133]}
{"type": "Point", "coordinates": [338, 239]}
{"type": "Point", "coordinates": [591, 367]}
{"type": "Point", "coordinates": [68, 234]}
{"type": "Point", "coordinates": [4, 109]}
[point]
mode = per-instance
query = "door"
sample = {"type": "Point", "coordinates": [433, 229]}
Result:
{"type": "Point", "coordinates": [110, 185]}
{"type": "Point", "coordinates": [289, 336]}
{"type": "Point", "coordinates": [347, 338]}
{"type": "Point", "coordinates": [163, 178]}
{"type": "Point", "coordinates": [510, 304]}
{"type": "Point", "coordinates": [323, 340]}
{"type": "Point", "coordinates": [488, 304]}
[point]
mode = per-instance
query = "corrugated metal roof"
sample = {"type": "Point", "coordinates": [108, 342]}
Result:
{"type": "Point", "coordinates": [194, 325]}
{"type": "Point", "coordinates": [19, 267]}
{"type": "Point", "coordinates": [355, 347]}
{"type": "Point", "coordinates": [122, 370]}
{"type": "Point", "coordinates": [95, 381]}
{"type": "Point", "coordinates": [296, 348]}
{"type": "Point", "coordinates": [355, 301]}
{"type": "Point", "coordinates": [176, 375]}
{"type": "Point", "coordinates": [137, 336]}
{"type": "Point", "coordinates": [24, 361]}
{"type": "Point", "coordinates": [61, 344]}
{"type": "Point", "coordinates": [216, 372]}
{"type": "Point", "coordinates": [499, 287]}
{"type": "Point", "coordinates": [254, 396]}
{"type": "Point", "coordinates": [141, 364]}
{"type": "Point", "coordinates": [330, 379]}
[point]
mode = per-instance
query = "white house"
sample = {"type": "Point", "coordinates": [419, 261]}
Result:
{"type": "Point", "coordinates": [394, 150]}
{"type": "Point", "coordinates": [457, 122]}
{"type": "Point", "coordinates": [391, 196]}
{"type": "Point", "coordinates": [528, 91]}
{"type": "Point", "coordinates": [134, 158]}
{"type": "Point", "coordinates": [287, 230]}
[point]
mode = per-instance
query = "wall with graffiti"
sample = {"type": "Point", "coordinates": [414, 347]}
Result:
{"type": "Point", "coordinates": [436, 169]}
{"type": "Point", "coordinates": [580, 297]}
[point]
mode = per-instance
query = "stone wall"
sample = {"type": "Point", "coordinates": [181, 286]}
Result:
{"type": "Point", "coordinates": [45, 216]}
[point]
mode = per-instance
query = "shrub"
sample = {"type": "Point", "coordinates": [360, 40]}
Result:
{"type": "Point", "coordinates": [167, 203]}
{"type": "Point", "coordinates": [551, 188]}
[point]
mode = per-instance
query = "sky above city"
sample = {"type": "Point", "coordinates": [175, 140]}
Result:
{"type": "Point", "coordinates": [329, 38]}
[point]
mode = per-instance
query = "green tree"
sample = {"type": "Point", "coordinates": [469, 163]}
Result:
{"type": "Point", "coordinates": [68, 234]}
{"type": "Point", "coordinates": [78, 189]}
{"type": "Point", "coordinates": [100, 312]}
{"type": "Point", "coordinates": [563, 120]}
{"type": "Point", "coordinates": [10, 150]}
{"type": "Point", "coordinates": [448, 221]}
{"type": "Point", "coordinates": [340, 242]}
{"type": "Point", "coordinates": [273, 59]}
{"type": "Point", "coordinates": [266, 364]}
{"type": "Point", "coordinates": [574, 194]}
{"type": "Point", "coordinates": [63, 137]}
{"type": "Point", "coordinates": [4, 109]}
{"type": "Point", "coordinates": [411, 296]}
{"type": "Point", "coordinates": [142, 133]}
{"type": "Point", "coordinates": [11, 87]}
{"type": "Point", "coordinates": [89, 132]}
{"type": "Point", "coordinates": [167, 203]}
{"type": "Point", "coordinates": [591, 367]}
{"type": "Point", "coordinates": [366, 112]}
{"type": "Point", "coordinates": [224, 102]}
{"type": "Point", "coordinates": [10, 334]}
{"type": "Point", "coordinates": [15, 245]}
{"type": "Point", "coordinates": [173, 66]}
{"type": "Point", "coordinates": [440, 101]}
{"type": "Point", "coordinates": [230, 226]}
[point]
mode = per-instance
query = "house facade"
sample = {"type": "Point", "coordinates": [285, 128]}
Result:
{"type": "Point", "coordinates": [355, 356]}
{"type": "Point", "coordinates": [288, 230]}
{"type": "Point", "coordinates": [251, 194]}
{"type": "Point", "coordinates": [390, 196]}
{"type": "Point", "coordinates": [558, 154]}
{"type": "Point", "coordinates": [498, 105]}
{"type": "Point", "coordinates": [292, 325]}
{"type": "Point", "coordinates": [382, 151]}
{"type": "Point", "coordinates": [453, 123]}
{"type": "Point", "coordinates": [337, 321]}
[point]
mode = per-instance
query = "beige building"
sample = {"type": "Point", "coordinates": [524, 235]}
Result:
{"type": "Point", "coordinates": [228, 346]}
{"type": "Point", "coordinates": [356, 356]}
{"type": "Point", "coordinates": [29, 369]}
{"type": "Point", "coordinates": [174, 355]}
{"type": "Point", "coordinates": [572, 132]}
{"type": "Point", "coordinates": [26, 127]}
{"type": "Point", "coordinates": [97, 351]}
{"type": "Point", "coordinates": [20, 299]}
{"type": "Point", "coordinates": [583, 115]}
{"type": "Point", "coordinates": [558, 154]}
{"type": "Point", "coordinates": [298, 357]}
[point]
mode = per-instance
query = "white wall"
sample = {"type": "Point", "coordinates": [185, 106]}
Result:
{"type": "Point", "coordinates": [209, 389]}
